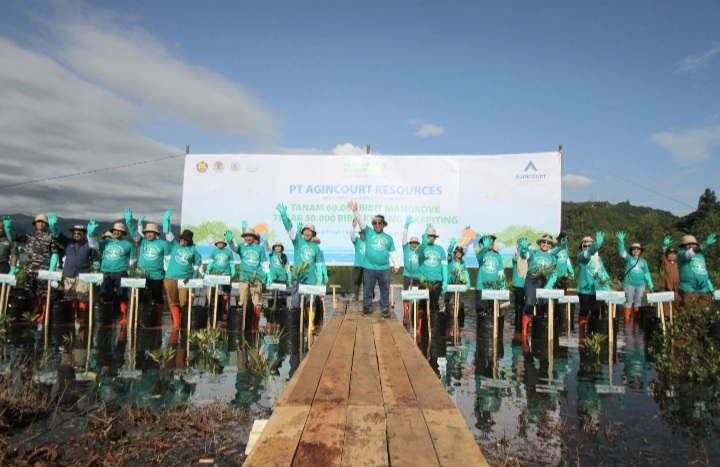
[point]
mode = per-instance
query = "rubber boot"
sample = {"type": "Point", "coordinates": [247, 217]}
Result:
{"type": "Point", "coordinates": [628, 317]}
{"type": "Point", "coordinates": [420, 315]}
{"type": "Point", "coordinates": [175, 334]}
{"type": "Point", "coordinates": [525, 323]}
{"type": "Point", "coordinates": [123, 313]}
{"type": "Point", "coordinates": [123, 334]}
{"type": "Point", "coordinates": [175, 312]}
{"type": "Point", "coordinates": [82, 312]}
{"type": "Point", "coordinates": [406, 313]}
{"type": "Point", "coordinates": [582, 324]}
{"type": "Point", "coordinates": [525, 345]}
{"type": "Point", "coordinates": [226, 302]}
{"type": "Point", "coordinates": [160, 311]}
{"type": "Point", "coordinates": [256, 318]}
{"type": "Point", "coordinates": [40, 304]}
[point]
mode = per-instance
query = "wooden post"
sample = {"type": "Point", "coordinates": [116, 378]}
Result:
{"type": "Point", "coordinates": [661, 315]}
{"type": "Point", "coordinates": [311, 321]}
{"type": "Point", "coordinates": [456, 311]}
{"type": "Point", "coordinates": [415, 310]}
{"type": "Point", "coordinates": [611, 313]}
{"type": "Point", "coordinates": [189, 318]}
{"type": "Point", "coordinates": [429, 323]}
{"type": "Point", "coordinates": [2, 299]}
{"type": "Point", "coordinates": [569, 318]}
{"type": "Point", "coordinates": [334, 288]}
{"type": "Point", "coordinates": [215, 305]}
{"type": "Point", "coordinates": [669, 303]}
{"type": "Point", "coordinates": [302, 316]}
{"type": "Point", "coordinates": [89, 317]}
{"type": "Point", "coordinates": [551, 321]}
{"type": "Point", "coordinates": [244, 305]}
{"type": "Point", "coordinates": [137, 310]}
{"type": "Point", "coordinates": [496, 311]}
{"type": "Point", "coordinates": [46, 322]}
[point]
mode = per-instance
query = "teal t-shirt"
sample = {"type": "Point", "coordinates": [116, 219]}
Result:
{"type": "Point", "coordinates": [277, 268]}
{"type": "Point", "coordinates": [540, 263]}
{"type": "Point", "coordinates": [116, 254]}
{"type": "Point", "coordinates": [251, 259]}
{"type": "Point", "coordinates": [693, 273]}
{"type": "Point", "coordinates": [635, 271]}
{"type": "Point", "coordinates": [359, 252]}
{"type": "Point", "coordinates": [590, 269]}
{"type": "Point", "coordinates": [457, 272]}
{"type": "Point", "coordinates": [517, 281]}
{"type": "Point", "coordinates": [490, 269]}
{"type": "Point", "coordinates": [221, 261]}
{"type": "Point", "coordinates": [183, 259]}
{"type": "Point", "coordinates": [562, 258]}
{"type": "Point", "coordinates": [432, 259]}
{"type": "Point", "coordinates": [306, 253]}
{"type": "Point", "coordinates": [411, 267]}
{"type": "Point", "coordinates": [152, 255]}
{"type": "Point", "coordinates": [378, 247]}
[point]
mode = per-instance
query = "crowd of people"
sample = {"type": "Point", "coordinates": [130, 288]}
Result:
{"type": "Point", "coordinates": [427, 265]}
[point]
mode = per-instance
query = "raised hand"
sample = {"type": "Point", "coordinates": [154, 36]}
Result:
{"type": "Point", "coordinates": [564, 241]}
{"type": "Point", "coordinates": [620, 236]}
{"type": "Point", "coordinates": [167, 215]}
{"type": "Point", "coordinates": [352, 205]}
{"type": "Point", "coordinates": [91, 226]}
{"type": "Point", "coordinates": [524, 243]}
{"type": "Point", "coordinates": [282, 209]}
{"type": "Point", "coordinates": [667, 241]}
{"type": "Point", "coordinates": [264, 237]}
{"type": "Point", "coordinates": [298, 229]}
{"type": "Point", "coordinates": [712, 238]}
{"type": "Point", "coordinates": [408, 221]}
{"type": "Point", "coordinates": [127, 214]}
{"type": "Point", "coordinates": [599, 238]}
{"type": "Point", "coordinates": [244, 225]}
{"type": "Point", "coordinates": [141, 219]}
{"type": "Point", "coordinates": [7, 223]}
{"type": "Point", "coordinates": [487, 241]}
{"type": "Point", "coordinates": [52, 220]}
{"type": "Point", "coordinates": [229, 236]}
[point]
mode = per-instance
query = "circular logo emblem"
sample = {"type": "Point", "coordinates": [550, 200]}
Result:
{"type": "Point", "coordinates": [698, 266]}
{"type": "Point", "coordinates": [490, 265]}
{"type": "Point", "coordinates": [114, 253]}
{"type": "Point", "coordinates": [251, 258]}
{"type": "Point", "coordinates": [432, 258]}
{"type": "Point", "coordinates": [151, 252]}
{"type": "Point", "coordinates": [218, 167]}
{"type": "Point", "coordinates": [379, 243]}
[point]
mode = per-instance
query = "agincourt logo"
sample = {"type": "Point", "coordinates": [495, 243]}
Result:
{"type": "Point", "coordinates": [530, 173]}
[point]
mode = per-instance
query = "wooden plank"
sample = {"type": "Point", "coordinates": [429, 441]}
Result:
{"type": "Point", "coordinates": [365, 437]}
{"type": "Point", "coordinates": [322, 439]}
{"type": "Point", "coordinates": [396, 387]}
{"type": "Point", "coordinates": [427, 386]}
{"type": "Point", "coordinates": [279, 440]}
{"type": "Point", "coordinates": [334, 386]}
{"type": "Point", "coordinates": [409, 441]}
{"type": "Point", "coordinates": [302, 387]}
{"type": "Point", "coordinates": [365, 387]}
{"type": "Point", "coordinates": [453, 442]}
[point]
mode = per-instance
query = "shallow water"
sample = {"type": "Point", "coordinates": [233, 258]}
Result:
{"type": "Point", "coordinates": [535, 403]}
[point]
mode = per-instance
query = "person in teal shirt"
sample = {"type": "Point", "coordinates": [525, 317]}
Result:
{"type": "Point", "coordinates": [637, 274]}
{"type": "Point", "coordinates": [491, 273]}
{"type": "Point", "coordinates": [117, 257]}
{"type": "Point", "coordinates": [279, 271]}
{"type": "Point", "coordinates": [379, 252]}
{"type": "Point", "coordinates": [411, 273]}
{"type": "Point", "coordinates": [184, 263]}
{"type": "Point", "coordinates": [433, 267]}
{"type": "Point", "coordinates": [520, 267]}
{"type": "Point", "coordinates": [457, 275]}
{"type": "Point", "coordinates": [565, 269]}
{"type": "Point", "coordinates": [305, 255]}
{"type": "Point", "coordinates": [152, 253]}
{"type": "Point", "coordinates": [695, 288]}
{"type": "Point", "coordinates": [359, 245]}
{"type": "Point", "coordinates": [542, 272]}
{"type": "Point", "coordinates": [221, 263]}
{"type": "Point", "coordinates": [591, 277]}
{"type": "Point", "coordinates": [254, 266]}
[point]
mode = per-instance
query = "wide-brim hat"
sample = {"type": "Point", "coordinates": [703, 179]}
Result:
{"type": "Point", "coordinates": [381, 218]}
{"type": "Point", "coordinates": [107, 234]}
{"type": "Point", "coordinates": [687, 240]}
{"type": "Point", "coordinates": [311, 227]}
{"type": "Point", "coordinates": [150, 227]}
{"type": "Point", "coordinates": [217, 240]}
{"type": "Point", "coordinates": [670, 250]}
{"type": "Point", "coordinates": [280, 245]}
{"type": "Point", "coordinates": [81, 228]}
{"type": "Point", "coordinates": [40, 218]}
{"type": "Point", "coordinates": [459, 249]}
{"type": "Point", "coordinates": [414, 240]}
{"type": "Point", "coordinates": [431, 231]}
{"type": "Point", "coordinates": [637, 245]}
{"type": "Point", "coordinates": [546, 238]}
{"type": "Point", "coordinates": [586, 240]}
{"type": "Point", "coordinates": [249, 231]}
{"type": "Point", "coordinates": [119, 226]}
{"type": "Point", "coordinates": [187, 235]}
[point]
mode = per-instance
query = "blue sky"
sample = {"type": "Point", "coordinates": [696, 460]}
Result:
{"type": "Point", "coordinates": [630, 89]}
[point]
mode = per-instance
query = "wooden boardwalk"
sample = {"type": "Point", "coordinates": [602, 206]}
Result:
{"type": "Point", "coordinates": [365, 396]}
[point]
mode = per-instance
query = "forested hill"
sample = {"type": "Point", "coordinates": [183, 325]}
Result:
{"type": "Point", "coordinates": [645, 225]}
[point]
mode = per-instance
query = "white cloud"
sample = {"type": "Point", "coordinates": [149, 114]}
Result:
{"type": "Point", "coordinates": [689, 146]}
{"type": "Point", "coordinates": [426, 129]}
{"type": "Point", "coordinates": [576, 181]}
{"type": "Point", "coordinates": [695, 62]}
{"type": "Point", "coordinates": [79, 105]}
{"type": "Point", "coordinates": [348, 149]}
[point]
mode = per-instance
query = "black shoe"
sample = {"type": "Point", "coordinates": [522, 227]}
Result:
{"type": "Point", "coordinates": [366, 312]}
{"type": "Point", "coordinates": [386, 314]}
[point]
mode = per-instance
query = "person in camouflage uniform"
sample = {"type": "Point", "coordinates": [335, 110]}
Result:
{"type": "Point", "coordinates": [42, 254]}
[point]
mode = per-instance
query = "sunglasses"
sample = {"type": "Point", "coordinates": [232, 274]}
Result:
{"type": "Point", "coordinates": [77, 232]}
{"type": "Point", "coordinates": [544, 242]}
{"type": "Point", "coordinates": [377, 223]}
{"type": "Point", "coordinates": [635, 248]}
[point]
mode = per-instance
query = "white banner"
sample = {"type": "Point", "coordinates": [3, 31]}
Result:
{"type": "Point", "coordinates": [510, 196]}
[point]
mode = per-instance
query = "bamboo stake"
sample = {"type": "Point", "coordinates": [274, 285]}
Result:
{"type": "Point", "coordinates": [46, 321]}
{"type": "Point", "coordinates": [311, 322]}
{"type": "Point", "coordinates": [496, 309]}
{"type": "Point", "coordinates": [569, 317]}
{"type": "Point", "coordinates": [456, 310]}
{"type": "Point", "coordinates": [7, 298]}
{"type": "Point", "coordinates": [302, 315]}
{"type": "Point", "coordinates": [662, 315]}
{"type": "Point", "coordinates": [2, 299]}
{"type": "Point", "coordinates": [611, 313]}
{"type": "Point", "coordinates": [415, 313]}
{"type": "Point", "coordinates": [137, 309]}
{"type": "Point", "coordinates": [189, 317]}
{"type": "Point", "coordinates": [551, 312]}
{"type": "Point", "coordinates": [214, 322]}
{"type": "Point", "coordinates": [89, 317]}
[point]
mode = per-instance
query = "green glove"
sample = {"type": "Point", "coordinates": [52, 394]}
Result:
{"type": "Point", "coordinates": [451, 246]}
{"type": "Point", "coordinates": [52, 225]}
{"type": "Point", "coordinates": [209, 267]}
{"type": "Point", "coordinates": [599, 239]}
{"type": "Point", "coordinates": [128, 215]}
{"type": "Point", "coordinates": [408, 221]}
{"type": "Point", "coordinates": [166, 221]}
{"type": "Point", "coordinates": [91, 226]}
{"type": "Point", "coordinates": [96, 265]}
{"type": "Point", "coordinates": [13, 270]}
{"type": "Point", "coordinates": [325, 274]}
{"type": "Point", "coordinates": [232, 268]}
{"type": "Point", "coordinates": [319, 273]}
{"type": "Point", "coordinates": [708, 241]}
{"type": "Point", "coordinates": [523, 243]}
{"type": "Point", "coordinates": [7, 223]}
{"type": "Point", "coordinates": [229, 236]}
{"type": "Point", "coordinates": [244, 225]}
{"type": "Point", "coordinates": [298, 229]}
{"type": "Point", "coordinates": [281, 209]}
{"type": "Point", "coordinates": [53, 262]}
{"type": "Point", "coordinates": [487, 241]}
{"type": "Point", "coordinates": [666, 242]}
{"type": "Point", "coordinates": [551, 282]}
